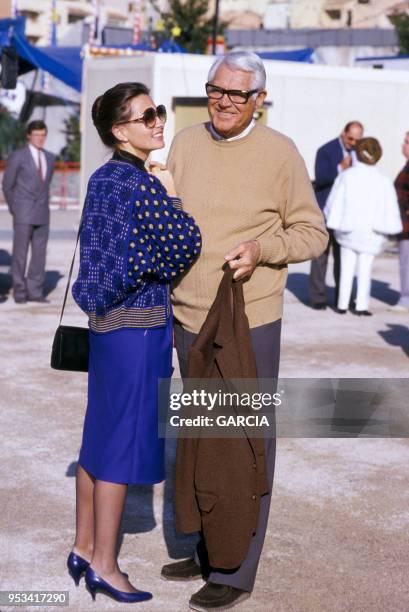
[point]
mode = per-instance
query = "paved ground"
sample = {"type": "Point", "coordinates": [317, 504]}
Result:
{"type": "Point", "coordinates": [339, 523]}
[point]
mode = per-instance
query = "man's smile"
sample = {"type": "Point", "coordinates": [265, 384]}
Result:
{"type": "Point", "coordinates": [225, 113]}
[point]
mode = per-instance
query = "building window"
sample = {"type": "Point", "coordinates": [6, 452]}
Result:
{"type": "Point", "coordinates": [115, 23]}
{"type": "Point", "coordinates": [334, 14]}
{"type": "Point", "coordinates": [31, 15]}
{"type": "Point", "coordinates": [73, 18]}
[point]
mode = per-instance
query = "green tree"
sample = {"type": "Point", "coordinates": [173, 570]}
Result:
{"type": "Point", "coordinates": [401, 23]}
{"type": "Point", "coordinates": [72, 150]}
{"type": "Point", "coordinates": [12, 133]}
{"type": "Point", "coordinates": [191, 17]}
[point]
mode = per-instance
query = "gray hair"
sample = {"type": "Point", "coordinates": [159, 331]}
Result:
{"type": "Point", "coordinates": [242, 60]}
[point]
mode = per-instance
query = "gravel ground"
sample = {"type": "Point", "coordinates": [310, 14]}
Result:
{"type": "Point", "coordinates": [339, 522]}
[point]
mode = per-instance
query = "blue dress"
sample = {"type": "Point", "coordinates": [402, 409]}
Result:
{"type": "Point", "coordinates": [120, 441]}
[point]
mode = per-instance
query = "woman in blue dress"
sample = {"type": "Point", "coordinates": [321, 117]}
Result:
{"type": "Point", "coordinates": [134, 240]}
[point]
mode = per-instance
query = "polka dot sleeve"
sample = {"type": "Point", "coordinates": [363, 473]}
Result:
{"type": "Point", "coordinates": [165, 240]}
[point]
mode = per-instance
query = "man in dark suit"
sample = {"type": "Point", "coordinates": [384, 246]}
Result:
{"type": "Point", "coordinates": [332, 158]}
{"type": "Point", "coordinates": [26, 187]}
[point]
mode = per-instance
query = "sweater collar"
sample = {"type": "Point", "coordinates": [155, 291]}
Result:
{"type": "Point", "coordinates": [242, 134]}
{"type": "Point", "coordinates": [124, 156]}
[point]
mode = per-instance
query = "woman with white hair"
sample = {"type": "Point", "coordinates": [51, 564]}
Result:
{"type": "Point", "coordinates": [363, 210]}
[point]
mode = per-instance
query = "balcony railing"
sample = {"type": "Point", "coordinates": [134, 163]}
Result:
{"type": "Point", "coordinates": [65, 185]}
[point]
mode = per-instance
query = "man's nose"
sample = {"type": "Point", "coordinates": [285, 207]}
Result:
{"type": "Point", "coordinates": [225, 100]}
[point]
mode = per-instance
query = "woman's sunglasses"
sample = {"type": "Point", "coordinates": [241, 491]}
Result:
{"type": "Point", "coordinates": [149, 116]}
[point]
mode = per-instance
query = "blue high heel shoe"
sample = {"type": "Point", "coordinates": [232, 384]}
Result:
{"type": "Point", "coordinates": [76, 567]}
{"type": "Point", "coordinates": [96, 583]}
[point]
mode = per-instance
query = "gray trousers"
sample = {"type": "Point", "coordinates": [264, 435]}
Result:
{"type": "Point", "coordinates": [317, 287]}
{"type": "Point", "coordinates": [266, 345]}
{"type": "Point", "coordinates": [404, 272]}
{"type": "Point", "coordinates": [25, 235]}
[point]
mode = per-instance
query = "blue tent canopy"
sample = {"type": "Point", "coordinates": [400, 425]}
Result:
{"type": "Point", "coordinates": [299, 55]}
{"type": "Point", "coordinates": [382, 57]}
{"type": "Point", "coordinates": [9, 25]}
{"type": "Point", "coordinates": [64, 63]}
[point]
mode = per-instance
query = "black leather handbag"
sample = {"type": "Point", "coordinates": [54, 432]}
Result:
{"type": "Point", "coordinates": [71, 344]}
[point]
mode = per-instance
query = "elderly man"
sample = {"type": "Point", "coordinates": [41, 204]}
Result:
{"type": "Point", "coordinates": [248, 188]}
{"type": "Point", "coordinates": [332, 158]}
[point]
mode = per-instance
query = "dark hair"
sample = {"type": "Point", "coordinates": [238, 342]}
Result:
{"type": "Point", "coordinates": [35, 125]}
{"type": "Point", "coordinates": [113, 107]}
{"type": "Point", "coordinates": [351, 123]}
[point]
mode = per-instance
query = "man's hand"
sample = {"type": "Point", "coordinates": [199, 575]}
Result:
{"type": "Point", "coordinates": [164, 175]}
{"type": "Point", "coordinates": [346, 162]}
{"type": "Point", "coordinates": [244, 258]}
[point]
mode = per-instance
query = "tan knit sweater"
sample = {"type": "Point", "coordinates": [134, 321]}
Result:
{"type": "Point", "coordinates": [256, 187]}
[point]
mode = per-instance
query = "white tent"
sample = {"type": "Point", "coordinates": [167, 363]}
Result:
{"type": "Point", "coordinates": [309, 103]}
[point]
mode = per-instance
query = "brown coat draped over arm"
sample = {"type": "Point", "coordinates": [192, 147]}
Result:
{"type": "Point", "coordinates": [219, 481]}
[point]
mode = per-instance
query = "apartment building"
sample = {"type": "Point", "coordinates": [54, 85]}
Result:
{"type": "Point", "coordinates": [5, 8]}
{"type": "Point", "coordinates": [273, 14]}
{"type": "Point", "coordinates": [240, 14]}
{"type": "Point", "coordinates": [345, 13]}
{"type": "Point", "coordinates": [39, 16]}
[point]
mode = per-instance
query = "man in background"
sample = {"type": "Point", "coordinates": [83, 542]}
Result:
{"type": "Point", "coordinates": [26, 187]}
{"type": "Point", "coordinates": [332, 158]}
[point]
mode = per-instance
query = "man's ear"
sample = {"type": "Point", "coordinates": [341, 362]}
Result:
{"type": "Point", "coordinates": [119, 135]}
{"type": "Point", "coordinates": [260, 98]}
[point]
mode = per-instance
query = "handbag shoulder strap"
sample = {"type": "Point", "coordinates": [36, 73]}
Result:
{"type": "Point", "coordinates": [71, 267]}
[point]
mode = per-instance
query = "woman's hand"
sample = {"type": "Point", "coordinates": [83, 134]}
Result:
{"type": "Point", "coordinates": [165, 176]}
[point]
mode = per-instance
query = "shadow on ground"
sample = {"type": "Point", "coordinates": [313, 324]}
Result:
{"type": "Point", "coordinates": [51, 281]}
{"type": "Point", "coordinates": [383, 292]}
{"type": "Point", "coordinates": [297, 284]}
{"type": "Point", "coordinates": [52, 278]}
{"type": "Point", "coordinates": [397, 335]}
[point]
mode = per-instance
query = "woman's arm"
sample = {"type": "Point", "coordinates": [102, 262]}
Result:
{"type": "Point", "coordinates": [165, 239]}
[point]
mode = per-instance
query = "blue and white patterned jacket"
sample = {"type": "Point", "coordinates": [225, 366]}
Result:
{"type": "Point", "coordinates": [134, 240]}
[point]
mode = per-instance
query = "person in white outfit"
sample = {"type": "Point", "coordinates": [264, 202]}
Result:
{"type": "Point", "coordinates": [363, 210]}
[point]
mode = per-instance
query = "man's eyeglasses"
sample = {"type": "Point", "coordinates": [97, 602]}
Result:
{"type": "Point", "coordinates": [149, 116]}
{"type": "Point", "coordinates": [237, 96]}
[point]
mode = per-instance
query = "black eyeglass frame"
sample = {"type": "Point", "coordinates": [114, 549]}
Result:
{"type": "Point", "coordinates": [159, 110]}
{"type": "Point", "coordinates": [232, 92]}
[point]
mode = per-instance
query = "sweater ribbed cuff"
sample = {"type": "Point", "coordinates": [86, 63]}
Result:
{"type": "Point", "coordinates": [269, 249]}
